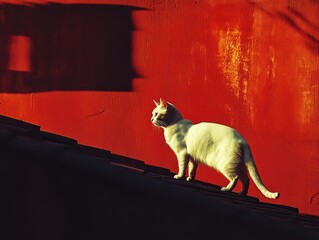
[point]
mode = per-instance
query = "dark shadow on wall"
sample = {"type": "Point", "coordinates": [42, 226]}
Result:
{"type": "Point", "coordinates": [297, 17]}
{"type": "Point", "coordinates": [66, 47]}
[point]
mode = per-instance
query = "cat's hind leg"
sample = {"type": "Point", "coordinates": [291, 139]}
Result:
{"type": "Point", "coordinates": [245, 184]}
{"type": "Point", "coordinates": [192, 167]}
{"type": "Point", "coordinates": [231, 185]}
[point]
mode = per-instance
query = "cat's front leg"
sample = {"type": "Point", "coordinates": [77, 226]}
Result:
{"type": "Point", "coordinates": [192, 167]}
{"type": "Point", "coordinates": [183, 159]}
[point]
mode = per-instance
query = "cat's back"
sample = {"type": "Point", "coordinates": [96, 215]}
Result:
{"type": "Point", "coordinates": [212, 142]}
{"type": "Point", "coordinates": [214, 129]}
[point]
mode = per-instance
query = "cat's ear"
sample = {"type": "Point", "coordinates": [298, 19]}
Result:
{"type": "Point", "coordinates": [163, 103]}
{"type": "Point", "coordinates": [156, 103]}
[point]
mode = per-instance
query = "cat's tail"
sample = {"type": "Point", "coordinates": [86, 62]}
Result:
{"type": "Point", "coordinates": [253, 172]}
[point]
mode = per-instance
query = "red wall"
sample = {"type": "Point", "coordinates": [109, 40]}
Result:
{"type": "Point", "coordinates": [252, 66]}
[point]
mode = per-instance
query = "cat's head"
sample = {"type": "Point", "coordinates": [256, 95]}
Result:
{"type": "Point", "coordinates": [164, 114]}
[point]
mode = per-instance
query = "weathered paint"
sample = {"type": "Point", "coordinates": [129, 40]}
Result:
{"type": "Point", "coordinates": [253, 66]}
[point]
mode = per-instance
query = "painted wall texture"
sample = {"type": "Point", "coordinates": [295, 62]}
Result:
{"type": "Point", "coordinates": [90, 72]}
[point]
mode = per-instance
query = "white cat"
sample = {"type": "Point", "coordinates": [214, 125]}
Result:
{"type": "Point", "coordinates": [212, 144]}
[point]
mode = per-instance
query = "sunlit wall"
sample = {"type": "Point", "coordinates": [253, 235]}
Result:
{"type": "Point", "coordinates": [90, 71]}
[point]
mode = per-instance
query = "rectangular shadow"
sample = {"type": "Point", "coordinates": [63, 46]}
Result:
{"type": "Point", "coordinates": [57, 47]}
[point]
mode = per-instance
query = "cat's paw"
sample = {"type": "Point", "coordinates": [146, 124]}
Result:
{"type": "Point", "coordinates": [178, 176]}
{"type": "Point", "coordinates": [225, 189]}
{"type": "Point", "coordinates": [242, 193]}
{"type": "Point", "coordinates": [188, 179]}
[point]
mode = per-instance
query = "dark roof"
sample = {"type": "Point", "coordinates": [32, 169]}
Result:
{"type": "Point", "coordinates": [55, 188]}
